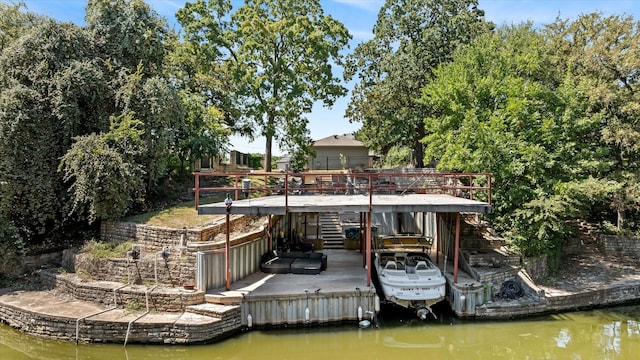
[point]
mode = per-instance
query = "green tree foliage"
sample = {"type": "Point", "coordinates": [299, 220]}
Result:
{"type": "Point", "coordinates": [277, 55]}
{"type": "Point", "coordinates": [255, 160]}
{"type": "Point", "coordinates": [411, 37]}
{"type": "Point", "coordinates": [131, 39]}
{"type": "Point", "coordinates": [530, 107]}
{"type": "Point", "coordinates": [128, 33]}
{"type": "Point", "coordinates": [106, 179]}
{"type": "Point", "coordinates": [599, 56]}
{"type": "Point", "coordinates": [60, 83]}
{"type": "Point", "coordinates": [14, 21]}
{"type": "Point", "coordinates": [397, 156]}
{"type": "Point", "coordinates": [207, 124]}
{"type": "Point", "coordinates": [37, 71]}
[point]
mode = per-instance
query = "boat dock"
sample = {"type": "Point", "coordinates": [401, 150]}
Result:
{"type": "Point", "coordinates": [379, 200]}
{"type": "Point", "coordinates": [338, 294]}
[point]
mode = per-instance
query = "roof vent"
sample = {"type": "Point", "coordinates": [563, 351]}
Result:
{"type": "Point", "coordinates": [335, 136]}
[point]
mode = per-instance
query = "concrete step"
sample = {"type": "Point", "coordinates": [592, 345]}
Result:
{"type": "Point", "coordinates": [217, 311]}
{"type": "Point", "coordinates": [226, 298]}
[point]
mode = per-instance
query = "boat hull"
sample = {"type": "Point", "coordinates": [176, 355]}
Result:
{"type": "Point", "coordinates": [409, 279]}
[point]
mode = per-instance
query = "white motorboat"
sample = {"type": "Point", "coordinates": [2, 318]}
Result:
{"type": "Point", "coordinates": [407, 275]}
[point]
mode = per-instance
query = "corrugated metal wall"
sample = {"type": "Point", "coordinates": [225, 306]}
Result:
{"type": "Point", "coordinates": [244, 260]}
{"type": "Point", "coordinates": [412, 222]}
{"type": "Point", "coordinates": [323, 308]}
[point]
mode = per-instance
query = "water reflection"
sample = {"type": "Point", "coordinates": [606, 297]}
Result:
{"type": "Point", "coordinates": [610, 334]}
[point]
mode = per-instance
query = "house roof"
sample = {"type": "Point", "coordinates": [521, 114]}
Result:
{"type": "Point", "coordinates": [338, 140]}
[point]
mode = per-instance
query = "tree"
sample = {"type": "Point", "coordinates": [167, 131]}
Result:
{"type": "Point", "coordinates": [495, 109]}
{"type": "Point", "coordinates": [128, 33]}
{"type": "Point", "coordinates": [14, 21]}
{"type": "Point", "coordinates": [552, 114]}
{"type": "Point", "coordinates": [60, 83]}
{"type": "Point", "coordinates": [42, 99]}
{"type": "Point", "coordinates": [205, 131]}
{"type": "Point", "coordinates": [106, 179]}
{"type": "Point", "coordinates": [278, 55]}
{"type": "Point", "coordinates": [411, 37]}
{"type": "Point", "coordinates": [599, 56]}
{"type": "Point", "coordinates": [130, 39]}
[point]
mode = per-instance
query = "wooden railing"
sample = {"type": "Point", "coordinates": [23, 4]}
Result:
{"type": "Point", "coordinates": [475, 186]}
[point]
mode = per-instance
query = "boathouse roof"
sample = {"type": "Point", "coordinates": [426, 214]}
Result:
{"type": "Point", "coordinates": [280, 205]}
{"type": "Point", "coordinates": [363, 192]}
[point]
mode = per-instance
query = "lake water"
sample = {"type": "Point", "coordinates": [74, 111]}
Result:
{"type": "Point", "coordinates": [613, 333]}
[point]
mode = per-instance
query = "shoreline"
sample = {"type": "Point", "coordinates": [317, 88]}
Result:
{"type": "Point", "coordinates": [49, 314]}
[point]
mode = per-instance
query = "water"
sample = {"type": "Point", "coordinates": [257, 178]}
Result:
{"type": "Point", "coordinates": [600, 334]}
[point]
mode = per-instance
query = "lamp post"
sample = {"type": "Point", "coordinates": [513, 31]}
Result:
{"type": "Point", "coordinates": [228, 202]}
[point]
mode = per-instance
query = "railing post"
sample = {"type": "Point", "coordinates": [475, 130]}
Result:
{"type": "Point", "coordinates": [457, 250]}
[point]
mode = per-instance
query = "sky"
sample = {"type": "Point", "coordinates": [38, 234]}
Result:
{"type": "Point", "coordinates": [359, 16]}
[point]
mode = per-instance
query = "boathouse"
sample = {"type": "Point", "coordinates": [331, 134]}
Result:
{"type": "Point", "coordinates": [295, 203]}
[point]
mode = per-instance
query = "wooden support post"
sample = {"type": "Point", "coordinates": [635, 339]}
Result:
{"type": "Point", "coordinates": [226, 256]}
{"type": "Point", "coordinates": [269, 237]}
{"type": "Point", "coordinates": [455, 256]}
{"type": "Point", "coordinates": [368, 252]}
{"type": "Point", "coordinates": [438, 238]}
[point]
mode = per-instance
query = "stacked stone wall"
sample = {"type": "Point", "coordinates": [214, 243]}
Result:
{"type": "Point", "coordinates": [142, 331]}
{"type": "Point", "coordinates": [619, 245]}
{"type": "Point", "coordinates": [34, 262]}
{"type": "Point", "coordinates": [123, 296]}
{"type": "Point", "coordinates": [613, 295]}
{"type": "Point", "coordinates": [178, 269]}
{"type": "Point", "coordinates": [537, 267]}
{"type": "Point", "coordinates": [117, 232]}
{"type": "Point", "coordinates": [155, 238]}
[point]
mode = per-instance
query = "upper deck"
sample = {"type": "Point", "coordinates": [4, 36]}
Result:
{"type": "Point", "coordinates": [278, 194]}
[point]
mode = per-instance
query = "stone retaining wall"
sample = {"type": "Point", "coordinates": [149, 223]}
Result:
{"type": "Point", "coordinates": [154, 238]}
{"type": "Point", "coordinates": [613, 295]}
{"type": "Point", "coordinates": [99, 292]}
{"type": "Point", "coordinates": [142, 331]}
{"type": "Point", "coordinates": [537, 267]}
{"type": "Point", "coordinates": [178, 269]}
{"type": "Point", "coordinates": [619, 245]}
{"type": "Point", "coordinates": [175, 270]}
{"type": "Point", "coordinates": [498, 277]}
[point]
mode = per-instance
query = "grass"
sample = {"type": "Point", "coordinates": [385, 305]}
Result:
{"type": "Point", "coordinates": [185, 214]}
{"type": "Point", "coordinates": [178, 216]}
{"type": "Point", "coordinates": [107, 249]}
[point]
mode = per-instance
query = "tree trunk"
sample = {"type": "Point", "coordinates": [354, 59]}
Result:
{"type": "Point", "coordinates": [267, 153]}
{"type": "Point", "coordinates": [418, 147]}
{"type": "Point", "coordinates": [268, 134]}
